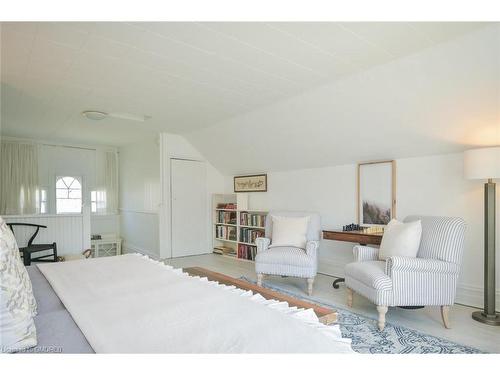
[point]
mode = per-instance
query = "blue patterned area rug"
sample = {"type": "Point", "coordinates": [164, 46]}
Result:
{"type": "Point", "coordinates": [394, 339]}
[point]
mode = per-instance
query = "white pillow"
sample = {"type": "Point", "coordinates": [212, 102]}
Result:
{"type": "Point", "coordinates": [400, 239]}
{"type": "Point", "coordinates": [17, 303]}
{"type": "Point", "coordinates": [289, 231]}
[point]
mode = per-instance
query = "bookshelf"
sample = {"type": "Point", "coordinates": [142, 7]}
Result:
{"type": "Point", "coordinates": [235, 227]}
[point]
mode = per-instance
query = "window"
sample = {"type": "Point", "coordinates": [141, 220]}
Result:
{"type": "Point", "coordinates": [93, 201]}
{"type": "Point", "coordinates": [42, 200]}
{"type": "Point", "coordinates": [68, 195]}
{"type": "Point", "coordinates": [98, 201]}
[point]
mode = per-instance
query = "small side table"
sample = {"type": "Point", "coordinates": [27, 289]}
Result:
{"type": "Point", "coordinates": [354, 237]}
{"type": "Point", "coordinates": [106, 247]}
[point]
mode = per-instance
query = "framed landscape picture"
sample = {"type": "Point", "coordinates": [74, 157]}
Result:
{"type": "Point", "coordinates": [253, 183]}
{"type": "Point", "coordinates": [376, 189]}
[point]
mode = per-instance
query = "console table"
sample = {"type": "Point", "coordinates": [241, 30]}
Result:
{"type": "Point", "coordinates": [354, 237]}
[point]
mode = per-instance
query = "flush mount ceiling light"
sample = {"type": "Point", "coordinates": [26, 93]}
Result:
{"type": "Point", "coordinates": [94, 115]}
{"type": "Point", "coordinates": [98, 115]}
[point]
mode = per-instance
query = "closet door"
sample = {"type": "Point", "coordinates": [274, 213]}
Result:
{"type": "Point", "coordinates": [189, 209]}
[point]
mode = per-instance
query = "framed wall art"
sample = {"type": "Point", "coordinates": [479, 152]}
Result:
{"type": "Point", "coordinates": [252, 183]}
{"type": "Point", "coordinates": [376, 191]}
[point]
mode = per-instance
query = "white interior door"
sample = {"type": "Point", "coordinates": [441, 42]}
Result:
{"type": "Point", "coordinates": [189, 212]}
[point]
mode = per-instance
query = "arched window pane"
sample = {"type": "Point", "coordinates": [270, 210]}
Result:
{"type": "Point", "coordinates": [75, 184]}
{"type": "Point", "coordinates": [68, 181]}
{"type": "Point", "coordinates": [68, 195]}
{"type": "Point", "coordinates": [60, 184]}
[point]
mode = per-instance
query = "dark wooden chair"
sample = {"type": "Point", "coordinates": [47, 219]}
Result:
{"type": "Point", "coordinates": [35, 248]}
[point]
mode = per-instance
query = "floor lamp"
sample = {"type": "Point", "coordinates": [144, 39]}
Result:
{"type": "Point", "coordinates": [484, 163]}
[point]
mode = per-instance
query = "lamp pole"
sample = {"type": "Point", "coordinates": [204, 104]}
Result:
{"type": "Point", "coordinates": [489, 315]}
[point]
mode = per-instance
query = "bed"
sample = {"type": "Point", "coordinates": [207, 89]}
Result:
{"type": "Point", "coordinates": [56, 330]}
{"type": "Point", "coordinates": [132, 304]}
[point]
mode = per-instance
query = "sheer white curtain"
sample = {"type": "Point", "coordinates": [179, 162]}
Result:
{"type": "Point", "coordinates": [107, 191]}
{"type": "Point", "coordinates": [111, 181]}
{"type": "Point", "coordinates": [18, 178]}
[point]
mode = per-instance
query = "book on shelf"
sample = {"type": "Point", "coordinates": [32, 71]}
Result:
{"type": "Point", "coordinates": [225, 232]}
{"type": "Point", "coordinates": [247, 251]}
{"type": "Point", "coordinates": [253, 220]}
{"type": "Point", "coordinates": [223, 250]}
{"type": "Point", "coordinates": [226, 206]}
{"type": "Point", "coordinates": [226, 217]}
{"type": "Point", "coordinates": [249, 235]}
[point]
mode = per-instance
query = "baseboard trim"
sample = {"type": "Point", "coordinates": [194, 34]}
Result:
{"type": "Point", "coordinates": [473, 296]}
{"type": "Point", "coordinates": [128, 248]}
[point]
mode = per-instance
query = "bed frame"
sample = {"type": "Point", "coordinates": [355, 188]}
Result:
{"type": "Point", "coordinates": [325, 315]}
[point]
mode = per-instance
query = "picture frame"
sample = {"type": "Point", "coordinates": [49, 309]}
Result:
{"type": "Point", "coordinates": [250, 183]}
{"type": "Point", "coordinates": [376, 192]}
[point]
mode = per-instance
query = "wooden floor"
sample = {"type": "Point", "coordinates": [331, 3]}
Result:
{"type": "Point", "coordinates": [463, 329]}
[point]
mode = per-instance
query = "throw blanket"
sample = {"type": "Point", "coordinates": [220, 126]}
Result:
{"type": "Point", "coordinates": [132, 304]}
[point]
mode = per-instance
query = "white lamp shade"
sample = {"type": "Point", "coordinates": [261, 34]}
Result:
{"type": "Point", "coordinates": [482, 163]}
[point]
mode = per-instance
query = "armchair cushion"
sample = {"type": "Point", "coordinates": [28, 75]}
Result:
{"type": "Point", "coordinates": [371, 273]}
{"type": "Point", "coordinates": [401, 239]}
{"type": "Point", "coordinates": [285, 255]}
{"type": "Point", "coordinates": [286, 261]}
{"type": "Point", "coordinates": [407, 265]}
{"type": "Point", "coordinates": [289, 231]}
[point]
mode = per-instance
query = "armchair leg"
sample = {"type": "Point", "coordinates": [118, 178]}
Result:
{"type": "Point", "coordinates": [260, 276]}
{"type": "Point", "coordinates": [350, 296]}
{"type": "Point", "coordinates": [310, 282]}
{"type": "Point", "coordinates": [381, 317]}
{"type": "Point", "coordinates": [445, 315]}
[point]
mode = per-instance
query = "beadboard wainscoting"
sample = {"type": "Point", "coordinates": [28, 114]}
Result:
{"type": "Point", "coordinates": [105, 223]}
{"type": "Point", "coordinates": [128, 248]}
{"type": "Point", "coordinates": [70, 232]}
{"type": "Point", "coordinates": [139, 230]}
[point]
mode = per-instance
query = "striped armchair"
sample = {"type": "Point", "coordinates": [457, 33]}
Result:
{"type": "Point", "coordinates": [428, 280]}
{"type": "Point", "coordinates": [288, 260]}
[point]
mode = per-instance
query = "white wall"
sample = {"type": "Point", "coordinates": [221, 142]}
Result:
{"type": "Point", "coordinates": [176, 146]}
{"type": "Point", "coordinates": [140, 196]}
{"type": "Point", "coordinates": [432, 185]}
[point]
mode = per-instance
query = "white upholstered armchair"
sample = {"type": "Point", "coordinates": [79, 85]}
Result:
{"type": "Point", "coordinates": [430, 279]}
{"type": "Point", "coordinates": [289, 260]}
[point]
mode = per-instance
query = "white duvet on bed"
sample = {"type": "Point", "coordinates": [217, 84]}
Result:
{"type": "Point", "coordinates": [132, 304]}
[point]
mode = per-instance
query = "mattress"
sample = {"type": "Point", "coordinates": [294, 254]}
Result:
{"type": "Point", "coordinates": [56, 330]}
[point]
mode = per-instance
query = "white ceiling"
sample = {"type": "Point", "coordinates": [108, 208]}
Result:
{"type": "Point", "coordinates": [187, 76]}
{"type": "Point", "coordinates": [440, 100]}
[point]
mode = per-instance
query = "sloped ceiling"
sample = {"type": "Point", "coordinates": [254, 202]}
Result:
{"type": "Point", "coordinates": [441, 100]}
{"type": "Point", "coordinates": [191, 76]}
